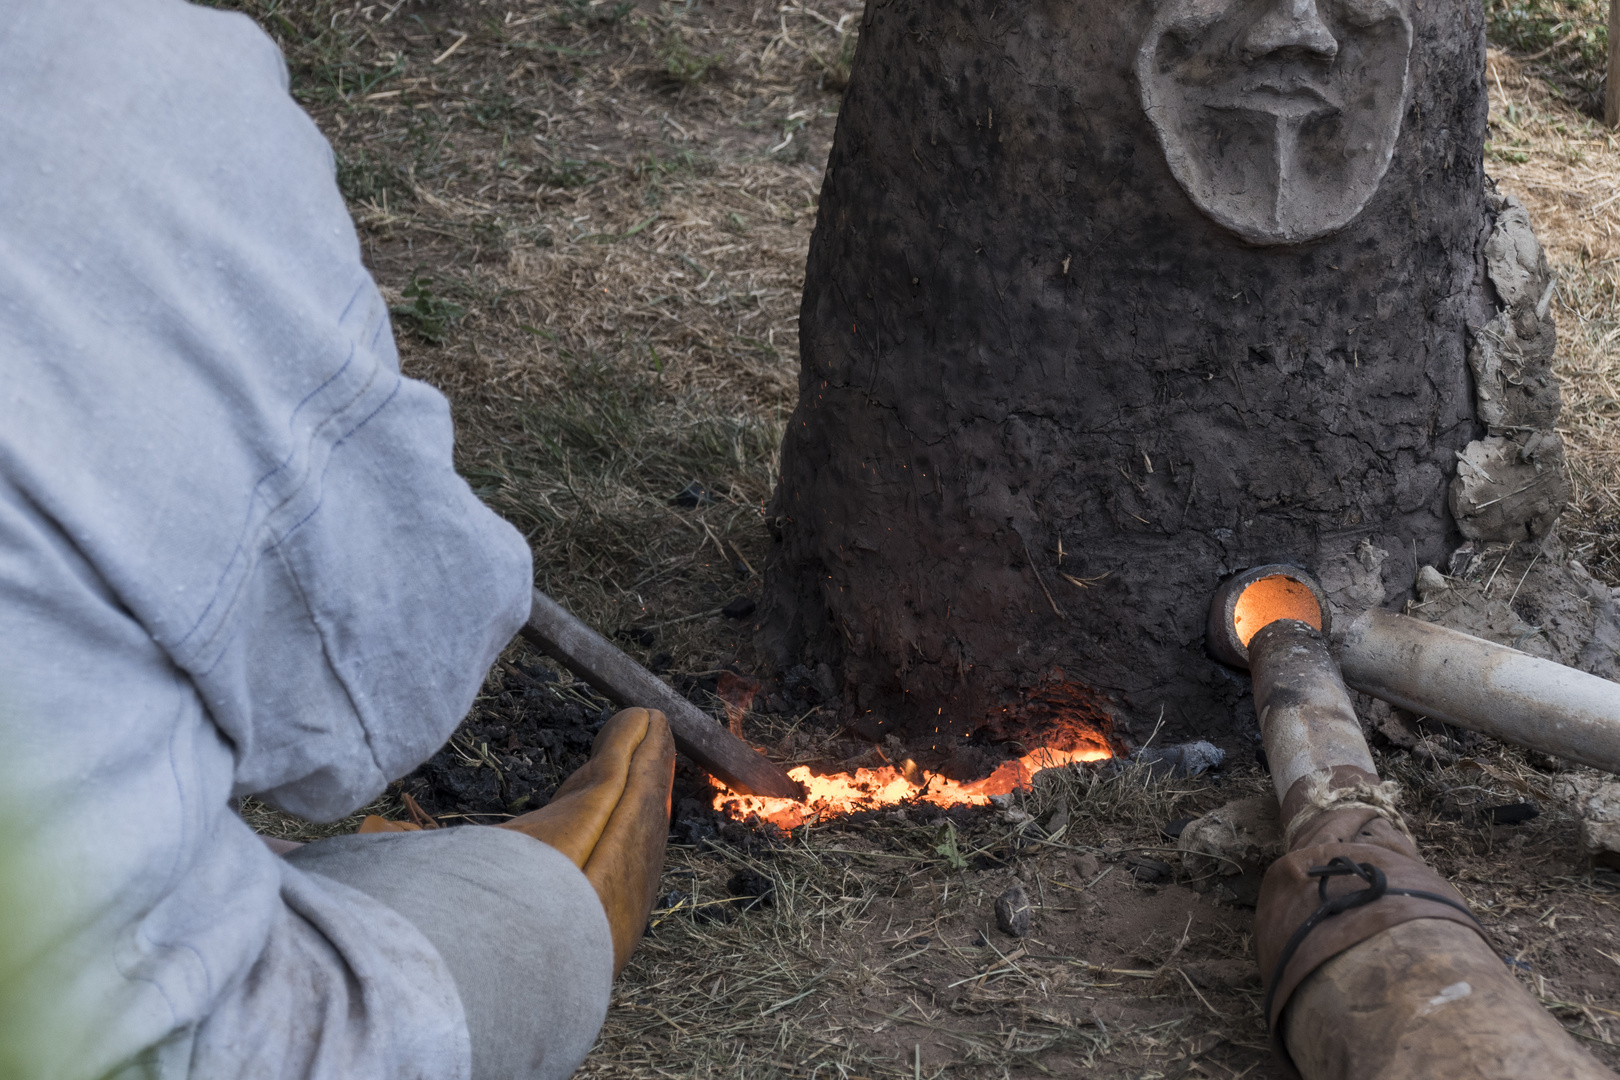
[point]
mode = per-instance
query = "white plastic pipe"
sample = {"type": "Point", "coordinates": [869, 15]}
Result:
{"type": "Point", "coordinates": [1485, 687]}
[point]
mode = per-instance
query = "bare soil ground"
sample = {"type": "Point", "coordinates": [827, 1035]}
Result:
{"type": "Point", "coordinates": [591, 216]}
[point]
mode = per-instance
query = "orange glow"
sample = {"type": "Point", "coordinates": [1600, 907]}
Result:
{"type": "Point", "coordinates": [1272, 598]}
{"type": "Point", "coordinates": [870, 789]}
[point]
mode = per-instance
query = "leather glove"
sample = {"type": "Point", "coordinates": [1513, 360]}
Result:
{"type": "Point", "coordinates": [611, 818]}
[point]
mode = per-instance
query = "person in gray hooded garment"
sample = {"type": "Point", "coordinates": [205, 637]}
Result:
{"type": "Point", "coordinates": [235, 559]}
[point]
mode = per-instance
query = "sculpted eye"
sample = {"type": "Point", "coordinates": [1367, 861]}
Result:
{"type": "Point", "coordinates": [1369, 12]}
{"type": "Point", "coordinates": [1190, 18]}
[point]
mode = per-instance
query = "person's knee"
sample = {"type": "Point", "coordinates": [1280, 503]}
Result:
{"type": "Point", "coordinates": [520, 928]}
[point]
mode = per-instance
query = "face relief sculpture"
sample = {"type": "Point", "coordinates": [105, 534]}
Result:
{"type": "Point", "coordinates": [1278, 117]}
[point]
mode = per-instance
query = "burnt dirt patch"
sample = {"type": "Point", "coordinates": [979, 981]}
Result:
{"type": "Point", "coordinates": [532, 726]}
{"type": "Point", "coordinates": [529, 730]}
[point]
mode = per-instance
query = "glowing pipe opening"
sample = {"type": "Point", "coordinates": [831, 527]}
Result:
{"type": "Point", "coordinates": [1254, 598]}
{"type": "Point", "coordinates": [1271, 598]}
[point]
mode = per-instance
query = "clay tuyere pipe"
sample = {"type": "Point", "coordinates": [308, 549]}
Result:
{"type": "Point", "coordinates": [1394, 981]}
{"type": "Point", "coordinates": [1432, 670]}
{"type": "Point", "coordinates": [627, 684]}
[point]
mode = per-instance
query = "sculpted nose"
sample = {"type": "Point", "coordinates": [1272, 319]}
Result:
{"type": "Point", "coordinates": [1290, 26]}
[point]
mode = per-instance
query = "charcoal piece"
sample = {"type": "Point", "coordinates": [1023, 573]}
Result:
{"type": "Point", "coordinates": [1148, 871]}
{"type": "Point", "coordinates": [692, 496]}
{"type": "Point", "coordinates": [1012, 912]}
{"type": "Point", "coordinates": [1513, 813]}
{"type": "Point", "coordinates": [521, 800]}
{"type": "Point", "coordinates": [474, 790]}
{"type": "Point", "coordinates": [740, 608]}
{"type": "Point", "coordinates": [753, 890]}
{"type": "Point", "coordinates": [538, 673]}
{"type": "Point", "coordinates": [691, 685]}
{"type": "Point", "coordinates": [1173, 830]}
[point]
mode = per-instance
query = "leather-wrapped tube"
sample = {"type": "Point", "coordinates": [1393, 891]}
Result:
{"type": "Point", "coordinates": [1364, 980]}
{"type": "Point", "coordinates": [1402, 988]}
{"type": "Point", "coordinates": [1427, 1000]}
{"type": "Point", "coordinates": [1289, 895]}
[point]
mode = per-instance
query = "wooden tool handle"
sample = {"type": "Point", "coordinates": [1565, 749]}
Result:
{"type": "Point", "coordinates": [627, 684]}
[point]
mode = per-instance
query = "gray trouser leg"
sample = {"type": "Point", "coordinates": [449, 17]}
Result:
{"type": "Point", "coordinates": [518, 925]}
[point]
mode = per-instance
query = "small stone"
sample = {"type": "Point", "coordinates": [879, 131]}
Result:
{"type": "Point", "coordinates": [1597, 804]}
{"type": "Point", "coordinates": [1232, 846]}
{"type": "Point", "coordinates": [1431, 583]}
{"type": "Point", "coordinates": [1435, 751]}
{"type": "Point", "coordinates": [1183, 759]}
{"type": "Point", "coordinates": [1396, 725]}
{"type": "Point", "coordinates": [1012, 912]}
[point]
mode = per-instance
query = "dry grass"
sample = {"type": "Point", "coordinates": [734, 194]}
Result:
{"type": "Point", "coordinates": [1565, 167]}
{"type": "Point", "coordinates": [627, 326]}
{"type": "Point", "coordinates": [592, 218]}
{"type": "Point", "coordinates": [655, 353]}
{"type": "Point", "coordinates": [1564, 43]}
{"type": "Point", "coordinates": [856, 968]}
{"type": "Point", "coordinates": [269, 822]}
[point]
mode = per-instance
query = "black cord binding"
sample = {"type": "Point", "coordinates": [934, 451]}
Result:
{"type": "Point", "coordinates": [1377, 886]}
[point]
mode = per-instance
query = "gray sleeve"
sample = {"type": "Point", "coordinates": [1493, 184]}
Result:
{"type": "Point", "coordinates": [201, 391]}
{"type": "Point", "coordinates": [519, 927]}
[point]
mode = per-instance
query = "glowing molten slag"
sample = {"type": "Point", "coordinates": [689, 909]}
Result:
{"type": "Point", "coordinates": [870, 789]}
{"type": "Point", "coordinates": [1272, 598]}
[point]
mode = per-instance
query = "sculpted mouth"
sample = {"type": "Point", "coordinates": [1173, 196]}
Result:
{"type": "Point", "coordinates": [1288, 88]}
{"type": "Point", "coordinates": [1279, 97]}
